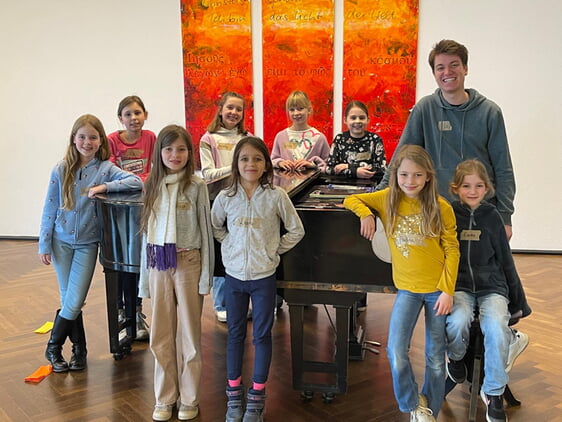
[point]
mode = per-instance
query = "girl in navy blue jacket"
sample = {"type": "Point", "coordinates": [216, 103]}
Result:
{"type": "Point", "coordinates": [487, 279]}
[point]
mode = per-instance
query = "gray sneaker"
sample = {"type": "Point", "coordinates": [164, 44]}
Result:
{"type": "Point", "coordinates": [235, 404]}
{"type": "Point", "coordinates": [142, 327]}
{"type": "Point", "coordinates": [121, 317]}
{"type": "Point", "coordinates": [519, 342]}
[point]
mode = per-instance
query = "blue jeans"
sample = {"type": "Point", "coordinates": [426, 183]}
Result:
{"type": "Point", "coordinates": [403, 319]}
{"type": "Point", "coordinates": [494, 320]}
{"type": "Point", "coordinates": [219, 302]}
{"type": "Point", "coordinates": [75, 267]}
{"type": "Point", "coordinates": [238, 294]}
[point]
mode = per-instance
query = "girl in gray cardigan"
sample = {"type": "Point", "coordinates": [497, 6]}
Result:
{"type": "Point", "coordinates": [247, 219]}
{"type": "Point", "coordinates": [176, 271]}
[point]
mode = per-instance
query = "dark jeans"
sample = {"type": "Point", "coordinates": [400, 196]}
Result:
{"type": "Point", "coordinates": [238, 294]}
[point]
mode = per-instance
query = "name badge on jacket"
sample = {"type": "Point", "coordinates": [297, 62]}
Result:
{"type": "Point", "coordinates": [363, 156]}
{"type": "Point", "coordinates": [471, 235]}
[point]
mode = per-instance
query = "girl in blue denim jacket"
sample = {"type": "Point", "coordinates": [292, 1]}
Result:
{"type": "Point", "coordinates": [70, 231]}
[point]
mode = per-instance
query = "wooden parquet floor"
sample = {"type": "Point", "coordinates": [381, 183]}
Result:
{"type": "Point", "coordinates": [110, 390]}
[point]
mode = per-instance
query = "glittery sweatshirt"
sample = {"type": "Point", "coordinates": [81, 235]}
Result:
{"type": "Point", "coordinates": [250, 230]}
{"type": "Point", "coordinates": [419, 264]}
{"type": "Point", "coordinates": [292, 145]}
{"type": "Point", "coordinates": [80, 225]}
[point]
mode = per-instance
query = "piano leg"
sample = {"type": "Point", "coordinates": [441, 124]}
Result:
{"type": "Point", "coordinates": [343, 303]}
{"type": "Point", "coordinates": [129, 281]}
{"type": "Point", "coordinates": [296, 317]}
{"type": "Point", "coordinates": [118, 345]}
{"type": "Point", "coordinates": [342, 351]}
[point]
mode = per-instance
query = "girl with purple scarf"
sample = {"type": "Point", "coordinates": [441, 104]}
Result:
{"type": "Point", "coordinates": [176, 271]}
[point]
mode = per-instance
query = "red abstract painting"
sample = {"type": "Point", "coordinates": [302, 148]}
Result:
{"type": "Point", "coordinates": [297, 55]}
{"type": "Point", "coordinates": [217, 57]}
{"type": "Point", "coordinates": [379, 63]}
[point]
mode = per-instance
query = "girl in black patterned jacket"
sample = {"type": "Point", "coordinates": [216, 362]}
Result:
{"type": "Point", "coordinates": [357, 153]}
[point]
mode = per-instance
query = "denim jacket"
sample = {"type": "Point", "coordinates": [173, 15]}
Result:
{"type": "Point", "coordinates": [80, 225]}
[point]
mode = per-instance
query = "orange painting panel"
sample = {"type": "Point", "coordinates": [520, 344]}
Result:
{"type": "Point", "coordinates": [379, 66]}
{"type": "Point", "coordinates": [217, 57]}
{"type": "Point", "coordinates": [297, 55]}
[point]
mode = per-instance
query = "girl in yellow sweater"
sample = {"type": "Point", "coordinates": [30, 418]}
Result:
{"type": "Point", "coordinates": [421, 231]}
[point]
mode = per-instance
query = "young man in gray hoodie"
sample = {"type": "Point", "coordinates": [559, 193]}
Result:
{"type": "Point", "coordinates": [457, 123]}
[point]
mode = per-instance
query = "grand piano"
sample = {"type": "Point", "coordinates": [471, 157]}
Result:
{"type": "Point", "coordinates": [332, 265]}
{"type": "Point", "coordinates": [120, 251]}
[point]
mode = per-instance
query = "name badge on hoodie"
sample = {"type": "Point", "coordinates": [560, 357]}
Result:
{"type": "Point", "coordinates": [225, 147]}
{"type": "Point", "coordinates": [248, 222]}
{"type": "Point", "coordinates": [471, 235]}
{"type": "Point", "coordinates": [444, 126]}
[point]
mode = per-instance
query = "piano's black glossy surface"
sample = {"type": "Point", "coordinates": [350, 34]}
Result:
{"type": "Point", "coordinates": [332, 251]}
{"type": "Point", "coordinates": [120, 240]}
{"type": "Point", "coordinates": [120, 254]}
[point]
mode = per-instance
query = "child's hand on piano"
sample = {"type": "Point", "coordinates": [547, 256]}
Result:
{"type": "Point", "coordinates": [368, 227]}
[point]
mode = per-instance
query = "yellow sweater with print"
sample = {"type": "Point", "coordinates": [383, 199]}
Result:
{"type": "Point", "coordinates": [419, 264]}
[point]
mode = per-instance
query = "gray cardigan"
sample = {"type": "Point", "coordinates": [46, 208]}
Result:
{"type": "Point", "coordinates": [193, 231]}
{"type": "Point", "coordinates": [250, 230]}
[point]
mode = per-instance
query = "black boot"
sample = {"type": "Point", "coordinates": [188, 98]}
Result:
{"type": "Point", "coordinates": [60, 331]}
{"type": "Point", "coordinates": [78, 339]}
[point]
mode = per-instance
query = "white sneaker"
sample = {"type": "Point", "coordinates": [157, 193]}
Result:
{"type": "Point", "coordinates": [162, 412]}
{"type": "Point", "coordinates": [186, 412]}
{"type": "Point", "coordinates": [221, 316]}
{"type": "Point", "coordinates": [519, 342]}
{"type": "Point", "coordinates": [422, 413]}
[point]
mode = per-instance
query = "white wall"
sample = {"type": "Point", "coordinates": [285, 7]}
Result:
{"type": "Point", "coordinates": [63, 58]}
{"type": "Point", "coordinates": [515, 55]}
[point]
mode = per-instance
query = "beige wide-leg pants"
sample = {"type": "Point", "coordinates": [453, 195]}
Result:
{"type": "Point", "coordinates": [175, 338]}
